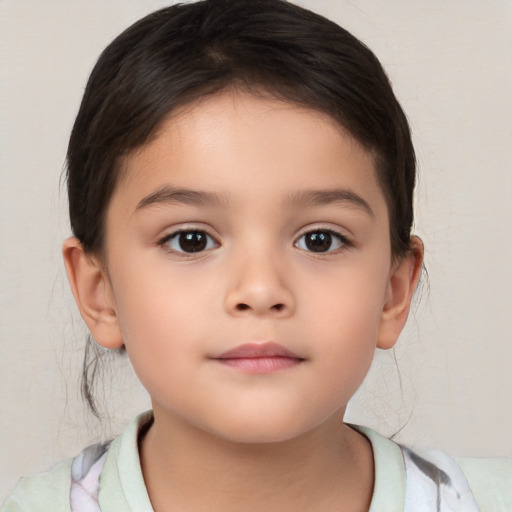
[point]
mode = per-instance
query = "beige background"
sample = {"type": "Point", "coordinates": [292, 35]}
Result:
{"type": "Point", "coordinates": [451, 65]}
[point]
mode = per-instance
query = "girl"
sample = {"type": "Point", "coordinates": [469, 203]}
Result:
{"type": "Point", "coordinates": [240, 181]}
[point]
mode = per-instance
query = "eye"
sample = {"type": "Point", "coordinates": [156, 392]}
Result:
{"type": "Point", "coordinates": [190, 241]}
{"type": "Point", "coordinates": [321, 240]}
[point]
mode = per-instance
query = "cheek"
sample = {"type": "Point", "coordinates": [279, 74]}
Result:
{"type": "Point", "coordinates": [152, 296]}
{"type": "Point", "coordinates": [349, 300]}
{"type": "Point", "coordinates": [346, 319]}
{"type": "Point", "coordinates": [165, 316]}
{"type": "Point", "coordinates": [160, 343]}
{"type": "Point", "coordinates": [154, 323]}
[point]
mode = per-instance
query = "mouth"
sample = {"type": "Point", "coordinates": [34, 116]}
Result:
{"type": "Point", "coordinates": [259, 358]}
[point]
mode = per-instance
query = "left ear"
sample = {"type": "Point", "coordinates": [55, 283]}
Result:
{"type": "Point", "coordinates": [403, 280]}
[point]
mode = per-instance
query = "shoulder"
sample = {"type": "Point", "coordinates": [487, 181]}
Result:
{"type": "Point", "coordinates": [466, 484]}
{"type": "Point", "coordinates": [78, 480]}
{"type": "Point", "coordinates": [490, 480]}
{"type": "Point", "coordinates": [42, 492]}
{"type": "Point", "coordinates": [413, 479]}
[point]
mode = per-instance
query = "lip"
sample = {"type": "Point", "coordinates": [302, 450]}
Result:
{"type": "Point", "coordinates": [255, 350]}
{"type": "Point", "coordinates": [259, 358]}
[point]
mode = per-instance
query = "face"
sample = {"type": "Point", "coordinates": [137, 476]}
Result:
{"type": "Point", "coordinates": [249, 262]}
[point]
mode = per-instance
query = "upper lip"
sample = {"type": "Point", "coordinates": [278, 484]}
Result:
{"type": "Point", "coordinates": [255, 350]}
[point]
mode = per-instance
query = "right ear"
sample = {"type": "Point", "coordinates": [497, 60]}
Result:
{"type": "Point", "coordinates": [93, 294]}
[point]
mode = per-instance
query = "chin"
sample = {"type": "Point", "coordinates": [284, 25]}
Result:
{"type": "Point", "coordinates": [261, 430]}
{"type": "Point", "coordinates": [261, 436]}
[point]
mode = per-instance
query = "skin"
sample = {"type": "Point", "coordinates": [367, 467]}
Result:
{"type": "Point", "coordinates": [276, 436]}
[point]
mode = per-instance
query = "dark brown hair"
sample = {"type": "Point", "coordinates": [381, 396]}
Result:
{"type": "Point", "coordinates": [188, 51]}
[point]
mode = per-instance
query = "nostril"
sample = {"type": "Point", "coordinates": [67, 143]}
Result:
{"type": "Point", "coordinates": [244, 307]}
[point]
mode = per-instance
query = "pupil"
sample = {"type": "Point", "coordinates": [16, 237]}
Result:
{"type": "Point", "coordinates": [318, 242]}
{"type": "Point", "coordinates": [193, 241]}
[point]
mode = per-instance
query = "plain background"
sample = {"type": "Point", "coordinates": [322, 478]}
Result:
{"type": "Point", "coordinates": [450, 62]}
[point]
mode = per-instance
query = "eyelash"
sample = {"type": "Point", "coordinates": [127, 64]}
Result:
{"type": "Point", "coordinates": [175, 235]}
{"type": "Point", "coordinates": [343, 241]}
{"type": "Point", "coordinates": [209, 242]}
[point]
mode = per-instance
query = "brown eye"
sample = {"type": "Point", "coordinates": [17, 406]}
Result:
{"type": "Point", "coordinates": [190, 241]}
{"type": "Point", "coordinates": [321, 241]}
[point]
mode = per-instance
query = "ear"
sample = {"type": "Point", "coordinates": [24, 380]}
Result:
{"type": "Point", "coordinates": [93, 294]}
{"type": "Point", "coordinates": [403, 280]}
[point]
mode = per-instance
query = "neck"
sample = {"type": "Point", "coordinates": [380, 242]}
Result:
{"type": "Point", "coordinates": [188, 469]}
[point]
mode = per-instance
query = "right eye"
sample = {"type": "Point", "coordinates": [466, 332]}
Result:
{"type": "Point", "coordinates": [189, 241]}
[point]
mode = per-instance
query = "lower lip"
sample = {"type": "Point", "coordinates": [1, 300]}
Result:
{"type": "Point", "coordinates": [261, 364]}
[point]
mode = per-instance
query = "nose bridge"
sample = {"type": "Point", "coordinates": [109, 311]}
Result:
{"type": "Point", "coordinates": [258, 283]}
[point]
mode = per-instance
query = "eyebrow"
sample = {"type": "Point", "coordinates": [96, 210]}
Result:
{"type": "Point", "coordinates": [302, 199]}
{"type": "Point", "coordinates": [308, 198]}
{"type": "Point", "coordinates": [171, 195]}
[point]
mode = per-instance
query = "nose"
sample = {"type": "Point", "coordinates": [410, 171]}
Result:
{"type": "Point", "coordinates": [257, 287]}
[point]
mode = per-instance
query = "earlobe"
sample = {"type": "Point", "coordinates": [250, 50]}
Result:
{"type": "Point", "coordinates": [91, 289]}
{"type": "Point", "coordinates": [403, 280]}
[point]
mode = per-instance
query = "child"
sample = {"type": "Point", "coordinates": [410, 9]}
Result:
{"type": "Point", "coordinates": [240, 181]}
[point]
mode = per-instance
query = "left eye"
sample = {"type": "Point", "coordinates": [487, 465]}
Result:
{"type": "Point", "coordinates": [189, 241]}
{"type": "Point", "coordinates": [321, 241]}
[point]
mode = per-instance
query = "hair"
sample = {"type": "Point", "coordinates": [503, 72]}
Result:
{"type": "Point", "coordinates": [185, 52]}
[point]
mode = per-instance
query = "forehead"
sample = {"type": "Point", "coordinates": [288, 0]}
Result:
{"type": "Point", "coordinates": [240, 143]}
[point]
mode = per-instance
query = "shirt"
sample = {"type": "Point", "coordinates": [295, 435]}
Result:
{"type": "Point", "coordinates": [405, 480]}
